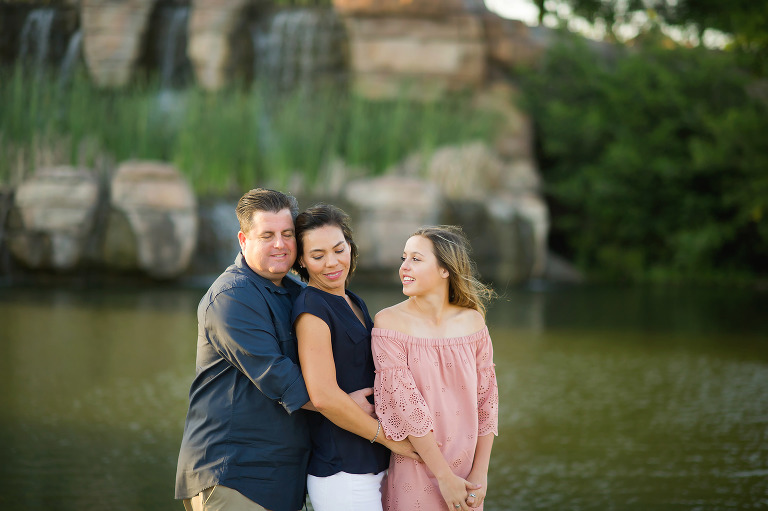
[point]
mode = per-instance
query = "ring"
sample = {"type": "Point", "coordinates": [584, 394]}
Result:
{"type": "Point", "coordinates": [457, 506]}
{"type": "Point", "coordinates": [472, 495]}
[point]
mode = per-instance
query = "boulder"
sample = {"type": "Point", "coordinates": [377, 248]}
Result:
{"type": "Point", "coordinates": [509, 207]}
{"type": "Point", "coordinates": [52, 219]}
{"type": "Point", "coordinates": [467, 172]}
{"type": "Point", "coordinates": [387, 210]}
{"type": "Point", "coordinates": [420, 57]}
{"type": "Point", "coordinates": [152, 225]}
{"type": "Point", "coordinates": [113, 34]}
{"type": "Point", "coordinates": [510, 42]}
{"type": "Point", "coordinates": [529, 214]}
{"type": "Point", "coordinates": [431, 8]}
{"type": "Point", "coordinates": [514, 134]}
{"type": "Point", "coordinates": [215, 26]}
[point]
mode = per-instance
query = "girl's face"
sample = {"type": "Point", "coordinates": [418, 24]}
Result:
{"type": "Point", "coordinates": [420, 272]}
{"type": "Point", "coordinates": [326, 255]}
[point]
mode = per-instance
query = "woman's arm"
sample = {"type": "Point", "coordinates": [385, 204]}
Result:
{"type": "Point", "coordinates": [479, 473]}
{"type": "Point", "coordinates": [319, 370]}
{"type": "Point", "coordinates": [453, 488]}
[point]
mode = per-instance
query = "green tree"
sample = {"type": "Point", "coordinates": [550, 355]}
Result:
{"type": "Point", "coordinates": [654, 160]}
{"type": "Point", "coordinates": [745, 20]}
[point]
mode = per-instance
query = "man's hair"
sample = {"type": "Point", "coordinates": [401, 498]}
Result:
{"type": "Point", "coordinates": [318, 216]}
{"type": "Point", "coordinates": [263, 199]}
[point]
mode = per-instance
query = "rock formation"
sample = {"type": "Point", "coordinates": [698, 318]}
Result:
{"type": "Point", "coordinates": [52, 219]}
{"type": "Point", "coordinates": [113, 35]}
{"type": "Point", "coordinates": [152, 223]}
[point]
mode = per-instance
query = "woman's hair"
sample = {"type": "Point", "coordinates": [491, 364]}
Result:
{"type": "Point", "coordinates": [321, 215]}
{"type": "Point", "coordinates": [452, 250]}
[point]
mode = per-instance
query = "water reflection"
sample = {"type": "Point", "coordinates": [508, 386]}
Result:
{"type": "Point", "coordinates": [627, 399]}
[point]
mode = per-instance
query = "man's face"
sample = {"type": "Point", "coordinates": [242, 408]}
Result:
{"type": "Point", "coordinates": [270, 248]}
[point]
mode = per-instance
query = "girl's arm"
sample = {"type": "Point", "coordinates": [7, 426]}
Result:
{"type": "Point", "coordinates": [479, 472]}
{"type": "Point", "coordinates": [319, 371]}
{"type": "Point", "coordinates": [453, 488]}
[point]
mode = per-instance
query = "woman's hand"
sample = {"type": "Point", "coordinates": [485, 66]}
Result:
{"type": "Point", "coordinates": [455, 491]}
{"type": "Point", "coordinates": [402, 447]}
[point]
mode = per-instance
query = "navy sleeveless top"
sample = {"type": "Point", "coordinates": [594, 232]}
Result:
{"type": "Point", "coordinates": [335, 449]}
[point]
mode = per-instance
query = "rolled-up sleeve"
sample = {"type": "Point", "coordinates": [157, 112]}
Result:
{"type": "Point", "coordinates": [244, 334]}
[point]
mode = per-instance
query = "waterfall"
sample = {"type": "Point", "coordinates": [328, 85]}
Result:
{"type": "Point", "coordinates": [293, 47]}
{"type": "Point", "coordinates": [35, 37]}
{"type": "Point", "coordinates": [71, 57]}
{"type": "Point", "coordinates": [173, 45]}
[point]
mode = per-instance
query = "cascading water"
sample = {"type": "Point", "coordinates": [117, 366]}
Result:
{"type": "Point", "coordinates": [294, 48]}
{"type": "Point", "coordinates": [71, 57]}
{"type": "Point", "coordinates": [34, 46]}
{"type": "Point", "coordinates": [172, 63]}
{"type": "Point", "coordinates": [172, 46]}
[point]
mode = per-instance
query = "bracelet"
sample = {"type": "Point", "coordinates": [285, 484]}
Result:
{"type": "Point", "coordinates": [378, 430]}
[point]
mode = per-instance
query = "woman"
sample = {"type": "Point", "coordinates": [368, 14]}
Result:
{"type": "Point", "coordinates": [435, 379]}
{"type": "Point", "coordinates": [333, 328]}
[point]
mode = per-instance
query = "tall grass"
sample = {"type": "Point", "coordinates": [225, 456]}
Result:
{"type": "Point", "coordinates": [223, 141]}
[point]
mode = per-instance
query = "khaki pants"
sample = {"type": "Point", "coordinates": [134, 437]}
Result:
{"type": "Point", "coordinates": [221, 498]}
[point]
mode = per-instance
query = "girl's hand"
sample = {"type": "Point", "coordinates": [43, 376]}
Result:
{"type": "Point", "coordinates": [455, 491]}
{"type": "Point", "coordinates": [476, 496]}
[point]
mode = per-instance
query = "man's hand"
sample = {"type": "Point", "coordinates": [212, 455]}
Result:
{"type": "Point", "coordinates": [359, 397]}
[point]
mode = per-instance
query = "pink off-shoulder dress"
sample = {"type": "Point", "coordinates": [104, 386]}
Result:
{"type": "Point", "coordinates": [445, 385]}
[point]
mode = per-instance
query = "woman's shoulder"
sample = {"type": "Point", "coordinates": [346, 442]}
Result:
{"type": "Point", "coordinates": [313, 301]}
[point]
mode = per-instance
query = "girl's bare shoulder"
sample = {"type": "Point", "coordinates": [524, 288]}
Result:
{"type": "Point", "coordinates": [389, 317]}
{"type": "Point", "coordinates": [469, 320]}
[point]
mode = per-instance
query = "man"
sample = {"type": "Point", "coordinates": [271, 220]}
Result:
{"type": "Point", "coordinates": [246, 442]}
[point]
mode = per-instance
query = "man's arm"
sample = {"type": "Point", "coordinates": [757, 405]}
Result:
{"type": "Point", "coordinates": [243, 333]}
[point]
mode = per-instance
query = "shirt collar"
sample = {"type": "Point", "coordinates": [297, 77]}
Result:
{"type": "Point", "coordinates": [290, 286]}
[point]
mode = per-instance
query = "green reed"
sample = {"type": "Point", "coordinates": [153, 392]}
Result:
{"type": "Point", "coordinates": [226, 141]}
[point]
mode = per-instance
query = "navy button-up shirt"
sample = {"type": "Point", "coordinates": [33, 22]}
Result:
{"type": "Point", "coordinates": [244, 428]}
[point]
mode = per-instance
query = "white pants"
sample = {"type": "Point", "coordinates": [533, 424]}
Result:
{"type": "Point", "coordinates": [346, 492]}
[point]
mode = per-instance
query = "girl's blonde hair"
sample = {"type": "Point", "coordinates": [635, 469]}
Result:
{"type": "Point", "coordinates": [452, 250]}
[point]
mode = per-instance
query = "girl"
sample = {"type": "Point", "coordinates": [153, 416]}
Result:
{"type": "Point", "coordinates": [435, 379]}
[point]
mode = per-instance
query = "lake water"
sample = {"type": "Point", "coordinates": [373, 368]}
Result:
{"type": "Point", "coordinates": [611, 398]}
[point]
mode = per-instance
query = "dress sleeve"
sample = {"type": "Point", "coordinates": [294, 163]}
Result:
{"type": "Point", "coordinates": [400, 406]}
{"type": "Point", "coordinates": [487, 389]}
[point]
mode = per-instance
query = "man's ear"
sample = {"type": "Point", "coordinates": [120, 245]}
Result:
{"type": "Point", "coordinates": [241, 239]}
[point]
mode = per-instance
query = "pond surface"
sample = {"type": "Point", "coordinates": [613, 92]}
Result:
{"type": "Point", "coordinates": [611, 398]}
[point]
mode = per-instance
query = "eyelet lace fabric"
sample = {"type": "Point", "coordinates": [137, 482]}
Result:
{"type": "Point", "coordinates": [399, 404]}
{"type": "Point", "coordinates": [447, 386]}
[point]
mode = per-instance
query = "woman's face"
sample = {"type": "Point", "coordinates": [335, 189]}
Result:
{"type": "Point", "coordinates": [326, 255]}
{"type": "Point", "coordinates": [420, 272]}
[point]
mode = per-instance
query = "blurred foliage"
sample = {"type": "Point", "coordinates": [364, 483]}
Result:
{"type": "Point", "coordinates": [655, 160]}
{"type": "Point", "coordinates": [226, 141]}
{"type": "Point", "coordinates": [745, 20]}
